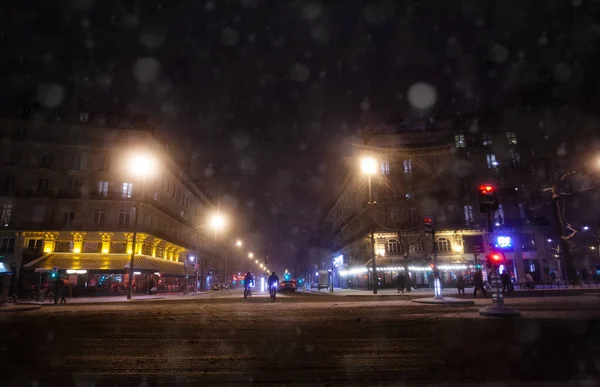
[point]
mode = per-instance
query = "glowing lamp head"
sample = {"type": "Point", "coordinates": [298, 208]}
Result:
{"type": "Point", "coordinates": [142, 164]}
{"type": "Point", "coordinates": [217, 222]}
{"type": "Point", "coordinates": [250, 255]}
{"type": "Point", "coordinates": [495, 257]}
{"type": "Point", "coordinates": [368, 165]}
{"type": "Point", "coordinates": [238, 243]}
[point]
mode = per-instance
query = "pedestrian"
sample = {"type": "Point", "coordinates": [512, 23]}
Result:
{"type": "Point", "coordinates": [505, 278]}
{"type": "Point", "coordinates": [460, 284]}
{"type": "Point", "coordinates": [63, 290]}
{"type": "Point", "coordinates": [478, 283]}
{"type": "Point", "coordinates": [401, 283]}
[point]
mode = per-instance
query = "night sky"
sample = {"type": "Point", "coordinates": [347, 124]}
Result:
{"type": "Point", "coordinates": [268, 92]}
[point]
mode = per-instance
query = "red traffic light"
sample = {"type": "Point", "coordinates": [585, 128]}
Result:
{"type": "Point", "coordinates": [428, 221]}
{"type": "Point", "coordinates": [486, 189]}
{"type": "Point", "coordinates": [495, 257]}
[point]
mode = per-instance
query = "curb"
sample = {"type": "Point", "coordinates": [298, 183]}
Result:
{"type": "Point", "coordinates": [18, 308]}
{"type": "Point", "coordinates": [444, 301]}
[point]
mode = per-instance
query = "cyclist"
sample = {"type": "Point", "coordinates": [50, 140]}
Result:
{"type": "Point", "coordinates": [273, 280]}
{"type": "Point", "coordinates": [248, 282]}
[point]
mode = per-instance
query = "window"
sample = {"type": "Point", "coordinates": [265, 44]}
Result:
{"type": "Point", "coordinates": [10, 183]}
{"type": "Point", "coordinates": [113, 119]}
{"type": "Point", "coordinates": [124, 218]}
{"type": "Point", "coordinates": [500, 215]}
{"type": "Point", "coordinates": [385, 167]}
{"type": "Point", "coordinates": [511, 137]}
{"type": "Point", "coordinates": [407, 164]}
{"type": "Point", "coordinates": [76, 161]}
{"type": "Point", "coordinates": [104, 163]}
{"type": "Point", "coordinates": [392, 246]}
{"type": "Point", "coordinates": [73, 187]}
{"type": "Point", "coordinates": [84, 117]}
{"type": "Point", "coordinates": [14, 157]}
{"type": "Point", "coordinates": [47, 159]}
{"type": "Point", "coordinates": [486, 139]}
{"type": "Point", "coordinates": [68, 217]}
{"type": "Point", "coordinates": [99, 216]}
{"type": "Point", "coordinates": [7, 245]}
{"type": "Point", "coordinates": [515, 158]}
{"type": "Point", "coordinates": [43, 184]}
{"type": "Point", "coordinates": [103, 188]}
{"type": "Point", "coordinates": [491, 161]}
{"type": "Point", "coordinates": [443, 244]}
{"type": "Point", "coordinates": [6, 213]}
{"type": "Point", "coordinates": [417, 246]}
{"type": "Point", "coordinates": [412, 217]}
{"type": "Point", "coordinates": [459, 140]}
{"type": "Point", "coordinates": [469, 215]}
{"type": "Point", "coordinates": [527, 242]}
{"type": "Point", "coordinates": [522, 211]}
{"type": "Point", "coordinates": [127, 189]}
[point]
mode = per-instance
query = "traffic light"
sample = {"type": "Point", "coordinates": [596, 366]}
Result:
{"type": "Point", "coordinates": [428, 222]}
{"type": "Point", "coordinates": [494, 259]}
{"type": "Point", "coordinates": [488, 201]}
{"type": "Point", "coordinates": [54, 273]}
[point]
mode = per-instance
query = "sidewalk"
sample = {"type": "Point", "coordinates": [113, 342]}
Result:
{"type": "Point", "coordinates": [120, 298]}
{"type": "Point", "coordinates": [452, 292]}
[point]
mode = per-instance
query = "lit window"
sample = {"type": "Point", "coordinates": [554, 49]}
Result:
{"type": "Point", "coordinates": [84, 117]}
{"type": "Point", "coordinates": [103, 188]}
{"type": "Point", "coordinates": [127, 189]}
{"type": "Point", "coordinates": [443, 244]}
{"type": "Point", "coordinates": [417, 246]}
{"type": "Point", "coordinates": [6, 213]}
{"type": "Point", "coordinates": [385, 167]}
{"type": "Point", "coordinates": [459, 140]}
{"type": "Point", "coordinates": [491, 161]}
{"type": "Point", "coordinates": [515, 158]}
{"type": "Point", "coordinates": [392, 246]}
{"type": "Point", "coordinates": [469, 214]}
{"type": "Point", "coordinates": [407, 164]}
{"type": "Point", "coordinates": [500, 214]}
{"type": "Point", "coordinates": [486, 139]}
{"type": "Point", "coordinates": [511, 137]}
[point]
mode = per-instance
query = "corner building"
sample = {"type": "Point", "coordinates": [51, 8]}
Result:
{"type": "Point", "coordinates": [433, 170]}
{"type": "Point", "coordinates": [68, 201]}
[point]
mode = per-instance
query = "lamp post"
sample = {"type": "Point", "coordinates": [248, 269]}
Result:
{"type": "Point", "coordinates": [141, 165]}
{"type": "Point", "coordinates": [369, 167]}
{"type": "Point", "coordinates": [217, 223]}
{"type": "Point", "coordinates": [192, 260]}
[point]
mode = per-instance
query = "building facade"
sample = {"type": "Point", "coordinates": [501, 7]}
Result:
{"type": "Point", "coordinates": [434, 170]}
{"type": "Point", "coordinates": [69, 200]}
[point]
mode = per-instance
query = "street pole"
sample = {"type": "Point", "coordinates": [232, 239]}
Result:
{"type": "Point", "coordinates": [133, 246]}
{"type": "Point", "coordinates": [570, 272]}
{"type": "Point", "coordinates": [437, 286]}
{"type": "Point", "coordinates": [374, 264]}
{"type": "Point", "coordinates": [184, 276]}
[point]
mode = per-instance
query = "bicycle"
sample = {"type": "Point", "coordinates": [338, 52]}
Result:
{"type": "Point", "coordinates": [273, 292]}
{"type": "Point", "coordinates": [248, 294]}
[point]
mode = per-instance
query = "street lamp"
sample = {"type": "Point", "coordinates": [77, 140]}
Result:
{"type": "Point", "coordinates": [368, 166]}
{"type": "Point", "coordinates": [217, 222]}
{"type": "Point", "coordinates": [238, 243]}
{"type": "Point", "coordinates": [141, 165]}
{"type": "Point", "coordinates": [250, 255]}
